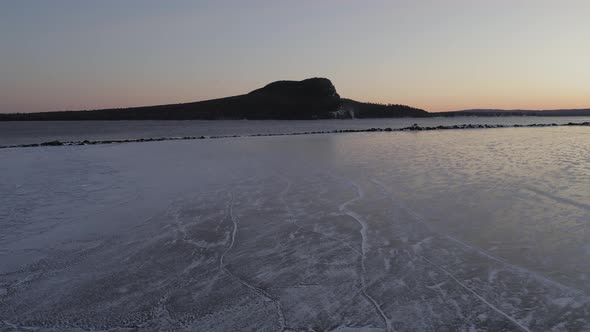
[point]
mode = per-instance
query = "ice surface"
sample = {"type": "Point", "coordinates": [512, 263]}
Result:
{"type": "Point", "coordinates": [427, 231]}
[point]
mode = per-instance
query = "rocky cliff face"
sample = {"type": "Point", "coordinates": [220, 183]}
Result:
{"type": "Point", "coordinates": [314, 98]}
{"type": "Point", "coordinates": [310, 88]}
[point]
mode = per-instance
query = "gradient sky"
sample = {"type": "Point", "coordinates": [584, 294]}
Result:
{"type": "Point", "coordinates": [437, 55]}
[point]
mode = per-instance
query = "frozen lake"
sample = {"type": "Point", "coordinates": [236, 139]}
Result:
{"type": "Point", "coordinates": [31, 132]}
{"type": "Point", "coordinates": [421, 231]}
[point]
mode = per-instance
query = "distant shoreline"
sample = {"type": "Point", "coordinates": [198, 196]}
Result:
{"type": "Point", "coordinates": [413, 128]}
{"type": "Point", "coordinates": [382, 111]}
{"type": "Point", "coordinates": [30, 117]}
{"type": "Point", "coordinates": [310, 99]}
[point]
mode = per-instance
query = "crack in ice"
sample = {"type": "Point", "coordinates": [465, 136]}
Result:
{"type": "Point", "coordinates": [257, 290]}
{"type": "Point", "coordinates": [344, 209]}
{"type": "Point", "coordinates": [558, 199]}
{"type": "Point", "coordinates": [480, 251]}
{"type": "Point", "coordinates": [481, 298]}
{"type": "Point", "coordinates": [296, 224]}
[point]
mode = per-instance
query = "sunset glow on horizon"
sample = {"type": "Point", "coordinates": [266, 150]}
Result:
{"type": "Point", "coordinates": [435, 55]}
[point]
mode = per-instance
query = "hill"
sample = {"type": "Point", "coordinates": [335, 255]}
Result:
{"type": "Point", "coordinates": [314, 98]}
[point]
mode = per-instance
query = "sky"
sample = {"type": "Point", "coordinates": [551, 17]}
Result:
{"type": "Point", "coordinates": [437, 55]}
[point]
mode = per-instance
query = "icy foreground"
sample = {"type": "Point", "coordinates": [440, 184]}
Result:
{"type": "Point", "coordinates": [426, 231]}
